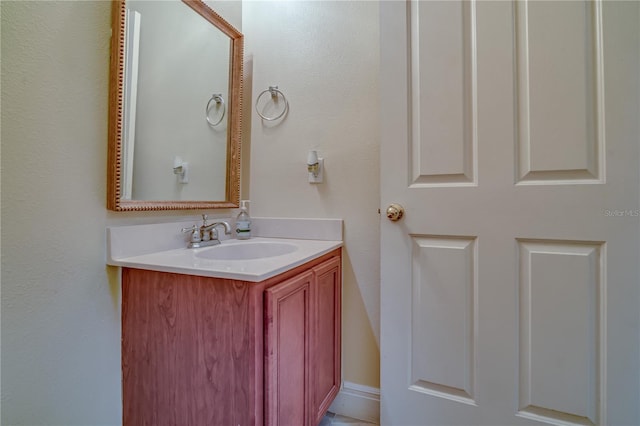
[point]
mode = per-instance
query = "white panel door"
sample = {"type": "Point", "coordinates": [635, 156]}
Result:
{"type": "Point", "coordinates": [511, 287]}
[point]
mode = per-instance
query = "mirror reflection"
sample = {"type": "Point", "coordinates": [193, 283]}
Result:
{"type": "Point", "coordinates": [169, 81]}
{"type": "Point", "coordinates": [180, 107]}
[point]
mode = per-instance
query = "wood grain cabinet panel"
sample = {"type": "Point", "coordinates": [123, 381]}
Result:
{"type": "Point", "coordinates": [326, 353]}
{"type": "Point", "coordinates": [208, 351]}
{"type": "Point", "coordinates": [288, 336]}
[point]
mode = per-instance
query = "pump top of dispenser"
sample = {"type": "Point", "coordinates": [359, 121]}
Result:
{"type": "Point", "coordinates": [243, 222]}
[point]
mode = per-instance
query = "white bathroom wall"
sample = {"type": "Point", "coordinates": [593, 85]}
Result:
{"type": "Point", "coordinates": [60, 314]}
{"type": "Point", "coordinates": [323, 55]}
{"type": "Point", "coordinates": [60, 319]}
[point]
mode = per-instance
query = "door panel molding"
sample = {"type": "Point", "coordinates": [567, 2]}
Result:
{"type": "Point", "coordinates": [562, 331]}
{"type": "Point", "coordinates": [444, 317]}
{"type": "Point", "coordinates": [443, 94]}
{"type": "Point", "coordinates": [560, 93]}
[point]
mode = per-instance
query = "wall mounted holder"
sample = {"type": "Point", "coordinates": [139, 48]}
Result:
{"type": "Point", "coordinates": [219, 102]}
{"type": "Point", "coordinates": [181, 169]}
{"type": "Point", "coordinates": [315, 167]}
{"type": "Point", "coordinates": [275, 94]}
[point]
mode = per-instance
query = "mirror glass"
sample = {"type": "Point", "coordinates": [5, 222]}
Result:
{"type": "Point", "coordinates": [176, 77]}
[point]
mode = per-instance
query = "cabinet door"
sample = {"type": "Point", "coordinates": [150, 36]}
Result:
{"type": "Point", "coordinates": [187, 350]}
{"type": "Point", "coordinates": [326, 348]}
{"type": "Point", "coordinates": [288, 329]}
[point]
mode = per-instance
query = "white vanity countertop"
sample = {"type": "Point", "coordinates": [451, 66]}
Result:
{"type": "Point", "coordinates": [188, 261]}
{"type": "Point", "coordinates": [308, 239]}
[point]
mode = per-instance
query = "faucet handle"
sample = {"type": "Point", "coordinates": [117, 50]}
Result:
{"type": "Point", "coordinates": [189, 229]}
{"type": "Point", "coordinates": [195, 233]}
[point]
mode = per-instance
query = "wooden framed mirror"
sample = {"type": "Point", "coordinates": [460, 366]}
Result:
{"type": "Point", "coordinates": [175, 107]}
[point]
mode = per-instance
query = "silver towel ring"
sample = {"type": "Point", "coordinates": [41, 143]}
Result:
{"type": "Point", "coordinates": [273, 90]}
{"type": "Point", "coordinates": [219, 100]}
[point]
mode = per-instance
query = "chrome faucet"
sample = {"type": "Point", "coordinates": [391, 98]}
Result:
{"type": "Point", "coordinates": [207, 234]}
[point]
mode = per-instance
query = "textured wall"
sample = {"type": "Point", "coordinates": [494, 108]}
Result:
{"type": "Point", "coordinates": [60, 319]}
{"type": "Point", "coordinates": [324, 57]}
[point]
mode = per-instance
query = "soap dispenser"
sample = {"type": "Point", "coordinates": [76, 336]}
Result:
{"type": "Point", "coordinates": [243, 222]}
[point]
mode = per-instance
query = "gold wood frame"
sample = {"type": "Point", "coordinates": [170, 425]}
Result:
{"type": "Point", "coordinates": [116, 110]}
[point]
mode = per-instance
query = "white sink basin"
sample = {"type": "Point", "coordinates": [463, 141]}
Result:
{"type": "Point", "coordinates": [246, 250]}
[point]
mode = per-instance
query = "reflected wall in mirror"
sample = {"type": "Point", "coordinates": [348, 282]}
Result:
{"type": "Point", "coordinates": [175, 107]}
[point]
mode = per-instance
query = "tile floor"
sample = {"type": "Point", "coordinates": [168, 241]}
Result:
{"type": "Point", "coordinates": [331, 419]}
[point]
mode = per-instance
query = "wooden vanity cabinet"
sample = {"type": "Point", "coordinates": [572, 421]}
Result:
{"type": "Point", "coordinates": [209, 351]}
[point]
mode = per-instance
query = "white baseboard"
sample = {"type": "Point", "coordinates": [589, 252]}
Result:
{"type": "Point", "coordinates": [357, 401]}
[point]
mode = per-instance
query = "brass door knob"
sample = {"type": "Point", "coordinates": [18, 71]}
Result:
{"type": "Point", "coordinates": [395, 212]}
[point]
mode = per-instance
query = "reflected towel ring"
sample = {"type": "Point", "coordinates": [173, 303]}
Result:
{"type": "Point", "coordinates": [219, 100]}
{"type": "Point", "coordinates": [273, 90]}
